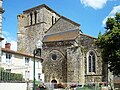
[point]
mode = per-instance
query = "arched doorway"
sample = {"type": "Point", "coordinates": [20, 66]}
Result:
{"type": "Point", "coordinates": [54, 83]}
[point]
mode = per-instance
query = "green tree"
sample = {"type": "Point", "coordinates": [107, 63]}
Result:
{"type": "Point", "coordinates": [109, 43]}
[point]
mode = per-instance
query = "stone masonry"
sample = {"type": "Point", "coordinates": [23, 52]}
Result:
{"type": "Point", "coordinates": [69, 55]}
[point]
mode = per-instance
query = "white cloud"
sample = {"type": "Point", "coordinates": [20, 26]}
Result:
{"type": "Point", "coordinates": [111, 14]}
{"type": "Point", "coordinates": [96, 4]}
{"type": "Point", "coordinates": [9, 39]}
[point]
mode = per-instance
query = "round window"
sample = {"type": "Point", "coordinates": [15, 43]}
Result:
{"type": "Point", "coordinates": [54, 56]}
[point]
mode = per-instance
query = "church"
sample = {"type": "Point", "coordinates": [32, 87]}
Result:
{"type": "Point", "coordinates": [69, 55]}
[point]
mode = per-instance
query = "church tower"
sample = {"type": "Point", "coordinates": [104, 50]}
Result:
{"type": "Point", "coordinates": [33, 25]}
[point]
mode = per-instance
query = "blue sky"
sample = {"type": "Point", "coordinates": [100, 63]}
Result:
{"type": "Point", "coordinates": [90, 14]}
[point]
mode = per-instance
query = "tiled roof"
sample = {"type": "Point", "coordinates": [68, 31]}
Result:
{"type": "Point", "coordinates": [19, 53]}
{"type": "Point", "coordinates": [62, 36]}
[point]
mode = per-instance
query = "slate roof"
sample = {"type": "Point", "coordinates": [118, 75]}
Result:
{"type": "Point", "coordinates": [62, 36]}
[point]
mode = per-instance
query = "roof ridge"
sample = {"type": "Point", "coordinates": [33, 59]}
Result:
{"type": "Point", "coordinates": [88, 35]}
{"type": "Point", "coordinates": [70, 20]}
{"type": "Point", "coordinates": [40, 6]}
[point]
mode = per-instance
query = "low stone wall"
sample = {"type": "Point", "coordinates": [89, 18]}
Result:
{"type": "Point", "coordinates": [13, 86]}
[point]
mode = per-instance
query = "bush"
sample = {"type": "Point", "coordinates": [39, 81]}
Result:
{"type": "Point", "coordinates": [7, 76]}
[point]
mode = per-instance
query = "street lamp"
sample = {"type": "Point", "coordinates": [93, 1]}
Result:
{"type": "Point", "coordinates": [37, 52]}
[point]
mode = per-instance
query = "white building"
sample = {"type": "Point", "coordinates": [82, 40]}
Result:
{"type": "Point", "coordinates": [17, 62]}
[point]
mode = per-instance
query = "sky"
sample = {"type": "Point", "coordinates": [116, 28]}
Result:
{"type": "Point", "coordinates": [90, 14]}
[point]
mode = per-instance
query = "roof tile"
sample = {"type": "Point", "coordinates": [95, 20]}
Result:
{"type": "Point", "coordinates": [62, 36]}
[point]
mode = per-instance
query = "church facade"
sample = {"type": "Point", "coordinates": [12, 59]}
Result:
{"type": "Point", "coordinates": [69, 55]}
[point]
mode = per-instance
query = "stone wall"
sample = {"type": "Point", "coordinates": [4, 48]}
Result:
{"type": "Point", "coordinates": [75, 65]}
{"type": "Point", "coordinates": [71, 62]}
{"type": "Point", "coordinates": [62, 25]}
{"type": "Point", "coordinates": [48, 18]}
{"type": "Point", "coordinates": [28, 34]}
{"type": "Point", "coordinates": [75, 61]}
{"type": "Point", "coordinates": [55, 69]}
{"type": "Point", "coordinates": [21, 32]}
{"type": "Point", "coordinates": [88, 44]}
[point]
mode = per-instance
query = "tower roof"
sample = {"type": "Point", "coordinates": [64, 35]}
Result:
{"type": "Point", "coordinates": [39, 7]}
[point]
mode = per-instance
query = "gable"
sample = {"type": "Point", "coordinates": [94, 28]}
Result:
{"type": "Point", "coordinates": [62, 25]}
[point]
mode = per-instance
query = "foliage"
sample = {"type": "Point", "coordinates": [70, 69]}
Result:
{"type": "Point", "coordinates": [8, 77]}
{"type": "Point", "coordinates": [1, 69]}
{"type": "Point", "coordinates": [109, 42]}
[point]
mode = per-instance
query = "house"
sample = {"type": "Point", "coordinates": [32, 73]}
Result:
{"type": "Point", "coordinates": [21, 63]}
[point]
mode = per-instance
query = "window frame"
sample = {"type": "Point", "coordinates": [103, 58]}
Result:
{"type": "Point", "coordinates": [92, 60]}
{"type": "Point", "coordinates": [8, 57]}
{"type": "Point", "coordinates": [27, 61]}
{"type": "Point", "coordinates": [54, 56]}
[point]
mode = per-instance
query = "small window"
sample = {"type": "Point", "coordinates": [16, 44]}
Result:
{"type": "Point", "coordinates": [27, 75]}
{"type": "Point", "coordinates": [35, 13]}
{"type": "Point", "coordinates": [27, 61]}
{"type": "Point", "coordinates": [54, 56]}
{"type": "Point", "coordinates": [52, 20]}
{"type": "Point", "coordinates": [8, 57]}
{"type": "Point", "coordinates": [39, 74]}
{"type": "Point", "coordinates": [31, 18]}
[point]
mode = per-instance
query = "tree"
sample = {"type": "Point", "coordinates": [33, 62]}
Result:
{"type": "Point", "coordinates": [109, 43]}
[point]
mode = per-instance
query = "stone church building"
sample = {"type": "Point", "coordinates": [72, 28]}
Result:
{"type": "Point", "coordinates": [69, 55]}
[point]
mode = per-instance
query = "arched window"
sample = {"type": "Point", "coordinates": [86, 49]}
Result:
{"type": "Point", "coordinates": [91, 62]}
